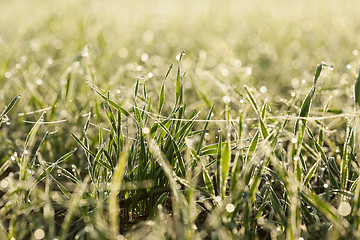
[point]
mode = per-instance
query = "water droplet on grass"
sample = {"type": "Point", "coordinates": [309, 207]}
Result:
{"type": "Point", "coordinates": [4, 183]}
{"type": "Point", "coordinates": [39, 234]}
{"type": "Point", "coordinates": [248, 70]}
{"type": "Point", "coordinates": [344, 209]}
{"type": "Point", "coordinates": [146, 131]}
{"type": "Point", "coordinates": [8, 74]}
{"type": "Point", "coordinates": [226, 99]}
{"type": "Point", "coordinates": [230, 207]}
{"type": "Point", "coordinates": [144, 57]}
{"type": "Point", "coordinates": [263, 89]}
{"type": "Point", "coordinates": [39, 81]}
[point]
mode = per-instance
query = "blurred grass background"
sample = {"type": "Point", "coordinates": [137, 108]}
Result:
{"type": "Point", "coordinates": [272, 44]}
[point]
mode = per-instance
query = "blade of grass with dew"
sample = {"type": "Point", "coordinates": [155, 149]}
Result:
{"type": "Point", "coordinates": [10, 106]}
{"type": "Point", "coordinates": [344, 170]}
{"type": "Point", "coordinates": [252, 146]}
{"type": "Point", "coordinates": [205, 173]}
{"type": "Point", "coordinates": [112, 103]}
{"type": "Point", "coordinates": [82, 144]}
{"type": "Point", "coordinates": [225, 160]}
{"type": "Point", "coordinates": [179, 94]}
{"type": "Point", "coordinates": [162, 90]}
{"type": "Point", "coordinates": [326, 209]}
{"type": "Point", "coordinates": [204, 130]}
{"type": "Point", "coordinates": [116, 181]}
{"type": "Point", "coordinates": [310, 174]}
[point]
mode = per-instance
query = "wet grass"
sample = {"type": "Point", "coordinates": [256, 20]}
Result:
{"type": "Point", "coordinates": [110, 131]}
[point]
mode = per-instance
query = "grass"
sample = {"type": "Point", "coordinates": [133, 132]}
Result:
{"type": "Point", "coordinates": [110, 131]}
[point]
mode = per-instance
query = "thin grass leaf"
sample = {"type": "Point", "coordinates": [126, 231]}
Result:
{"type": "Point", "coordinates": [252, 146]}
{"type": "Point", "coordinates": [317, 73]}
{"type": "Point", "coordinates": [310, 174]}
{"type": "Point", "coordinates": [305, 108]}
{"type": "Point", "coordinates": [225, 160]}
{"type": "Point", "coordinates": [82, 144]}
{"type": "Point", "coordinates": [205, 173]}
{"type": "Point", "coordinates": [10, 106]}
{"type": "Point", "coordinates": [112, 103]}
{"type": "Point", "coordinates": [116, 182]}
{"type": "Point", "coordinates": [162, 91]}
{"type": "Point", "coordinates": [357, 89]}
{"type": "Point", "coordinates": [252, 100]}
{"type": "Point", "coordinates": [344, 170]}
{"type": "Point", "coordinates": [204, 130]}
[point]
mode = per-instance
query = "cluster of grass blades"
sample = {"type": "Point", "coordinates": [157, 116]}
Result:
{"type": "Point", "coordinates": [160, 176]}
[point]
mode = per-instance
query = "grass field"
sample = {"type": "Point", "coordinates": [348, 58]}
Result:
{"type": "Point", "coordinates": [179, 119]}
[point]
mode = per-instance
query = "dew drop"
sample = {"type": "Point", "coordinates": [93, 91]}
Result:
{"type": "Point", "coordinates": [8, 74]}
{"type": "Point", "coordinates": [146, 131]}
{"type": "Point", "coordinates": [39, 234]}
{"type": "Point", "coordinates": [144, 57]}
{"type": "Point", "coordinates": [263, 89]}
{"type": "Point", "coordinates": [39, 81]}
{"type": "Point", "coordinates": [226, 99]}
{"type": "Point", "coordinates": [230, 207]}
{"type": "Point", "coordinates": [344, 209]}
{"type": "Point", "coordinates": [4, 183]}
{"type": "Point", "coordinates": [248, 70]}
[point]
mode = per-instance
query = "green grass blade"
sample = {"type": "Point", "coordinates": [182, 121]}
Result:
{"type": "Point", "coordinates": [357, 89]}
{"type": "Point", "coordinates": [10, 106]}
{"type": "Point", "coordinates": [204, 130]}
{"type": "Point", "coordinates": [225, 160]}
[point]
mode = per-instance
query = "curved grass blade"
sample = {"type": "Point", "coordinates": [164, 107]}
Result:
{"type": "Point", "coordinates": [82, 144]}
{"type": "Point", "coordinates": [204, 130]}
{"type": "Point", "coordinates": [10, 106]}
